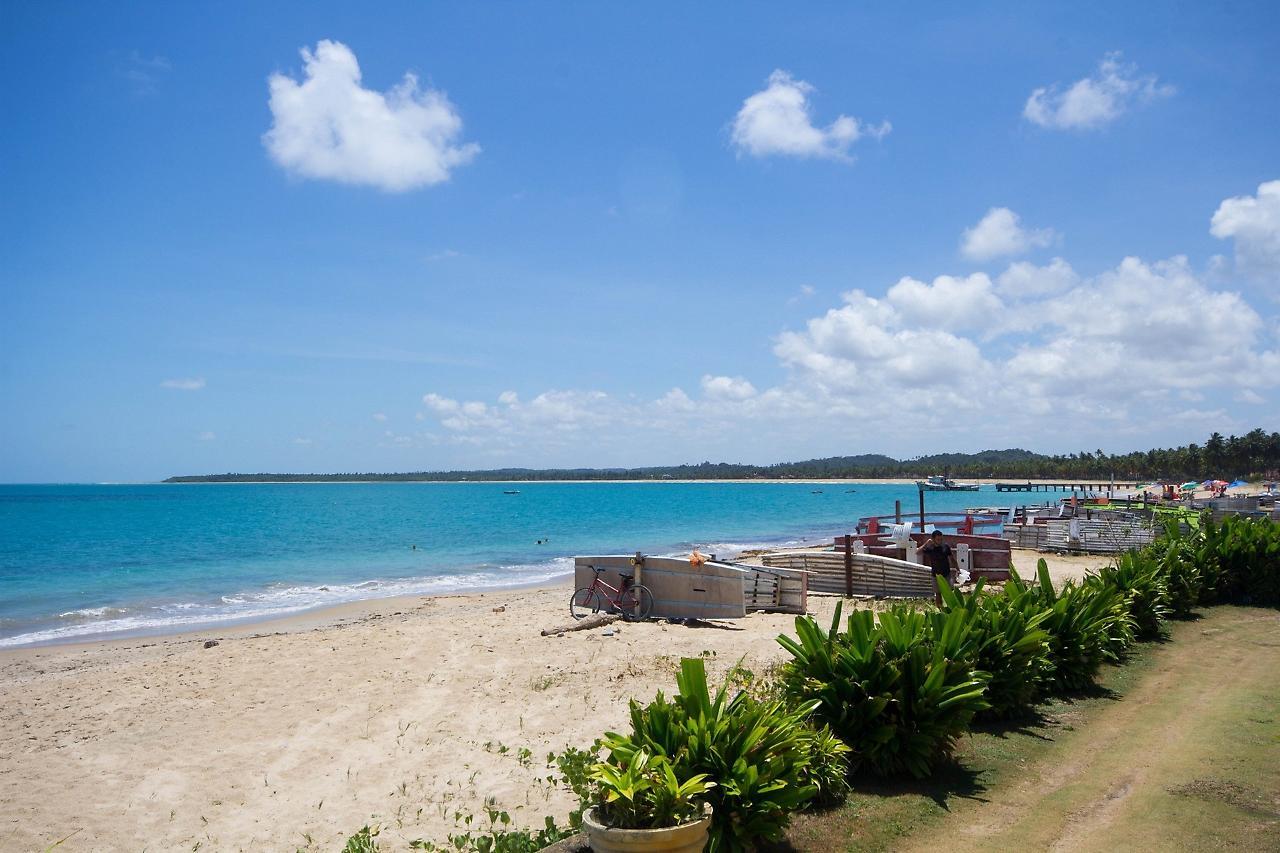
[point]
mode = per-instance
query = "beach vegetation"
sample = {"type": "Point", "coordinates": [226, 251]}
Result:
{"type": "Point", "coordinates": [1088, 625]}
{"type": "Point", "coordinates": [898, 691]}
{"type": "Point", "coordinates": [1243, 559]}
{"type": "Point", "coordinates": [756, 753]}
{"type": "Point", "coordinates": [828, 769]}
{"type": "Point", "coordinates": [886, 693]}
{"type": "Point", "coordinates": [365, 840]}
{"type": "Point", "coordinates": [1010, 645]}
{"type": "Point", "coordinates": [643, 792]}
{"type": "Point", "coordinates": [1141, 580]}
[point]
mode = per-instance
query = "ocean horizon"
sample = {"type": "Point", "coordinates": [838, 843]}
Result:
{"type": "Point", "coordinates": [93, 561]}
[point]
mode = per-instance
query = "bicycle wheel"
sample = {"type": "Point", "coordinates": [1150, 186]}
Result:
{"type": "Point", "coordinates": [586, 600]}
{"type": "Point", "coordinates": [635, 603]}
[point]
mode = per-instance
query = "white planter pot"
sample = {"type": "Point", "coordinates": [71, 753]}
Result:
{"type": "Point", "coordinates": [685, 838]}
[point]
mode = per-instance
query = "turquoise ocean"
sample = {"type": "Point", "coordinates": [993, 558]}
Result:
{"type": "Point", "coordinates": [89, 561]}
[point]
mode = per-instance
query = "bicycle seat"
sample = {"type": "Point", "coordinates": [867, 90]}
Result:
{"type": "Point", "coordinates": [627, 577]}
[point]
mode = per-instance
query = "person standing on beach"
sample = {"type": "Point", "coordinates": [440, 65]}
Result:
{"type": "Point", "coordinates": [941, 559]}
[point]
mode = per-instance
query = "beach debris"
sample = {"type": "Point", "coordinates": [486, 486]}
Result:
{"type": "Point", "coordinates": [607, 632]}
{"type": "Point", "coordinates": [501, 608]}
{"type": "Point", "coordinates": [208, 644]}
{"type": "Point", "coordinates": [598, 620]}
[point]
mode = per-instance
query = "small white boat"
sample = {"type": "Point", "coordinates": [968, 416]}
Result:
{"type": "Point", "coordinates": [943, 484]}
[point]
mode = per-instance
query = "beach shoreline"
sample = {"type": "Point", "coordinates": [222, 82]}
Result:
{"type": "Point", "coordinates": [295, 733]}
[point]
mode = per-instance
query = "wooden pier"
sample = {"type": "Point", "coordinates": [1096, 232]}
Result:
{"type": "Point", "coordinates": [1064, 487]}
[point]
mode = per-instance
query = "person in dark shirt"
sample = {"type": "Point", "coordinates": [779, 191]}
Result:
{"type": "Point", "coordinates": [941, 559]}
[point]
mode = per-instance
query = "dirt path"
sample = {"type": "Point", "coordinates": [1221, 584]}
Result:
{"type": "Point", "coordinates": [1187, 759]}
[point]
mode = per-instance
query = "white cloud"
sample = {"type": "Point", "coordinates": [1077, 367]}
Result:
{"type": "Point", "coordinates": [950, 303]}
{"type": "Point", "coordinates": [1121, 354]}
{"type": "Point", "coordinates": [185, 384]}
{"type": "Point", "coordinates": [778, 120]}
{"type": "Point", "coordinates": [1024, 279]}
{"type": "Point", "coordinates": [1248, 395]}
{"type": "Point", "coordinates": [727, 387]}
{"type": "Point", "coordinates": [302, 441]}
{"type": "Point", "coordinates": [1097, 100]}
{"type": "Point", "coordinates": [206, 436]}
{"type": "Point", "coordinates": [1254, 223]}
{"type": "Point", "coordinates": [1000, 233]}
{"type": "Point", "coordinates": [379, 417]}
{"type": "Point", "coordinates": [328, 126]}
{"type": "Point", "coordinates": [867, 344]}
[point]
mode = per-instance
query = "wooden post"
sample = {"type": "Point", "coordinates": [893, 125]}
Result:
{"type": "Point", "coordinates": [922, 530]}
{"type": "Point", "coordinates": [639, 562]}
{"type": "Point", "coordinates": [897, 512]}
{"type": "Point", "coordinates": [848, 566]}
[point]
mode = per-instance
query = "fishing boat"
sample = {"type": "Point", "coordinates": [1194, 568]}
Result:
{"type": "Point", "coordinates": [511, 491]}
{"type": "Point", "coordinates": [944, 484]}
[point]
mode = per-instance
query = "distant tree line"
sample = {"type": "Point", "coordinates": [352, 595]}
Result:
{"type": "Point", "coordinates": [1251, 456]}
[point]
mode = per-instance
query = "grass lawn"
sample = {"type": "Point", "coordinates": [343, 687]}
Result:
{"type": "Point", "coordinates": [1178, 750]}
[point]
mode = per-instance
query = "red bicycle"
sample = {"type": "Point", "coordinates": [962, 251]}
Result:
{"type": "Point", "coordinates": [633, 600]}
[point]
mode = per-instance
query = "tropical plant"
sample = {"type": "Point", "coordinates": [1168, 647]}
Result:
{"type": "Point", "coordinates": [1139, 577]}
{"type": "Point", "coordinates": [1245, 556]}
{"type": "Point", "coordinates": [755, 752]}
{"type": "Point", "coordinates": [898, 692]}
{"type": "Point", "coordinates": [828, 768]}
{"type": "Point", "coordinates": [1087, 626]}
{"type": "Point", "coordinates": [1010, 644]}
{"type": "Point", "coordinates": [1176, 555]}
{"type": "Point", "coordinates": [643, 792]}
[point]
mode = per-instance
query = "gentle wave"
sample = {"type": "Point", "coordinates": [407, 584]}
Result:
{"type": "Point", "coordinates": [280, 600]}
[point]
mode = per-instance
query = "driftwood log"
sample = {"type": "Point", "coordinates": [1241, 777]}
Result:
{"type": "Point", "coordinates": [597, 620]}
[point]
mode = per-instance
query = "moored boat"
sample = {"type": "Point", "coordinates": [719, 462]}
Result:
{"type": "Point", "coordinates": [944, 484]}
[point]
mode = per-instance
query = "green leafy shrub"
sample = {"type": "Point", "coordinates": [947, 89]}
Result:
{"type": "Point", "coordinates": [828, 768]}
{"type": "Point", "coordinates": [1244, 554]}
{"type": "Point", "coordinates": [643, 793]}
{"type": "Point", "coordinates": [1176, 556]}
{"type": "Point", "coordinates": [898, 692]}
{"type": "Point", "coordinates": [755, 752]}
{"type": "Point", "coordinates": [1139, 577]}
{"type": "Point", "coordinates": [1010, 645]}
{"type": "Point", "coordinates": [1087, 626]}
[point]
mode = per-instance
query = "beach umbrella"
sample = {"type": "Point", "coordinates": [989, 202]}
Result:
{"type": "Point", "coordinates": [1235, 484]}
{"type": "Point", "coordinates": [1192, 485]}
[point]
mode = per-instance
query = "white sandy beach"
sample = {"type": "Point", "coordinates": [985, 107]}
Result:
{"type": "Point", "coordinates": [294, 733]}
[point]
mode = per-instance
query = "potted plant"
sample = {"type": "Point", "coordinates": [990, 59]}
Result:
{"type": "Point", "coordinates": [642, 807]}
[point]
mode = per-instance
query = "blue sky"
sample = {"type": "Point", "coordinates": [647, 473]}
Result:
{"type": "Point", "coordinates": [607, 234]}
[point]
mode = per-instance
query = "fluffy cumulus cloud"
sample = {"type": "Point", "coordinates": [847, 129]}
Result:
{"type": "Point", "coordinates": [1002, 357]}
{"type": "Point", "coordinates": [1254, 223]}
{"type": "Point", "coordinates": [1097, 100]}
{"type": "Point", "coordinates": [1023, 278]}
{"type": "Point", "coordinates": [778, 120]}
{"type": "Point", "coordinates": [727, 387]}
{"type": "Point", "coordinates": [328, 126]}
{"type": "Point", "coordinates": [949, 303]}
{"type": "Point", "coordinates": [1000, 233]}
